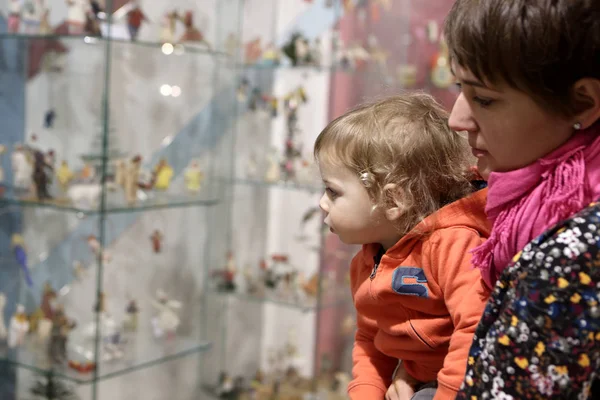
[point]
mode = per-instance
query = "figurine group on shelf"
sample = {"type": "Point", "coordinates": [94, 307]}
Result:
{"type": "Point", "coordinates": [274, 280]}
{"type": "Point", "coordinates": [298, 51]}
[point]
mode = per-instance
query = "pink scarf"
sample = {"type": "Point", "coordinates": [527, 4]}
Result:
{"type": "Point", "coordinates": [522, 204]}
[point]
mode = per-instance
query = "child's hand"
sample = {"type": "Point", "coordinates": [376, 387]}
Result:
{"type": "Point", "coordinates": [403, 385]}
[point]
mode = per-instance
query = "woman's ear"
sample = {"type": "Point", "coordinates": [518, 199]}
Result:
{"type": "Point", "coordinates": [586, 94]}
{"type": "Point", "coordinates": [393, 194]}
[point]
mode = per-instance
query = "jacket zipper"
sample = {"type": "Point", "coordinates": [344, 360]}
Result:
{"type": "Point", "coordinates": [374, 272]}
{"type": "Point", "coordinates": [376, 261]}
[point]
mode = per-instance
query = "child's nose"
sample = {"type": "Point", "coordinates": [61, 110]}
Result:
{"type": "Point", "coordinates": [323, 203]}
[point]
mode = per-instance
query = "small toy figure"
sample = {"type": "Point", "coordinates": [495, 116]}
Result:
{"type": "Point", "coordinates": [271, 55]}
{"type": "Point", "coordinates": [252, 51]}
{"type": "Point", "coordinates": [132, 311]}
{"type": "Point", "coordinates": [156, 238]}
{"type": "Point", "coordinates": [22, 168]}
{"type": "Point", "coordinates": [193, 177]}
{"type": "Point", "coordinates": [191, 33]}
{"type": "Point", "coordinates": [2, 151]}
{"type": "Point", "coordinates": [18, 245]}
{"type": "Point", "coordinates": [100, 306]}
{"type": "Point", "coordinates": [92, 25]}
{"type": "Point", "coordinates": [59, 335]}
{"type": "Point", "coordinates": [77, 11]}
{"type": "Point", "coordinates": [135, 17]}
{"type": "Point", "coordinates": [32, 15]}
{"type": "Point", "coordinates": [297, 50]}
{"type": "Point", "coordinates": [225, 387]}
{"type": "Point", "coordinates": [19, 326]}
{"type": "Point", "coordinates": [49, 118]}
{"type": "Point", "coordinates": [120, 172]}
{"type": "Point", "coordinates": [131, 181]}
{"type": "Point", "coordinates": [3, 332]}
{"type": "Point", "coordinates": [87, 173]}
{"type": "Point", "coordinates": [14, 16]}
{"type": "Point", "coordinates": [79, 271]}
{"type": "Point", "coordinates": [167, 320]}
{"type": "Point", "coordinates": [273, 174]}
{"type": "Point", "coordinates": [64, 175]}
{"type": "Point", "coordinates": [162, 175]}
{"type": "Point", "coordinates": [226, 276]}
{"type": "Point", "coordinates": [48, 298]}
{"type": "Point", "coordinates": [45, 28]}
{"type": "Point", "coordinates": [41, 171]}
{"type": "Point", "coordinates": [168, 26]}
{"type": "Point", "coordinates": [95, 247]}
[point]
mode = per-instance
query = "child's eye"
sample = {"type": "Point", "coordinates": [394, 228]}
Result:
{"type": "Point", "coordinates": [332, 194]}
{"type": "Point", "coordinates": [483, 101]}
{"type": "Point", "coordinates": [458, 85]}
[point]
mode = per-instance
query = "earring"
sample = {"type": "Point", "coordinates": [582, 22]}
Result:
{"type": "Point", "coordinates": [577, 126]}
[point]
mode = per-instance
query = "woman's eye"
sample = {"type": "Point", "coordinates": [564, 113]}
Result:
{"type": "Point", "coordinates": [483, 101]}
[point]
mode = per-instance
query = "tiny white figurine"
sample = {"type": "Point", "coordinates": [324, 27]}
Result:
{"type": "Point", "coordinates": [22, 168]}
{"type": "Point", "coordinates": [3, 333]}
{"type": "Point", "coordinates": [167, 320]}
{"type": "Point", "coordinates": [31, 17]}
{"type": "Point", "coordinates": [273, 173]}
{"type": "Point", "coordinates": [19, 326]}
{"type": "Point", "coordinates": [111, 336]}
{"type": "Point", "coordinates": [2, 151]}
{"type": "Point", "coordinates": [77, 15]}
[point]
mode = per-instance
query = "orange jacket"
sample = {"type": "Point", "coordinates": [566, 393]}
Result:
{"type": "Point", "coordinates": [421, 304]}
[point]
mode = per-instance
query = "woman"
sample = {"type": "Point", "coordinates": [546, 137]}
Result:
{"type": "Point", "coordinates": [530, 77]}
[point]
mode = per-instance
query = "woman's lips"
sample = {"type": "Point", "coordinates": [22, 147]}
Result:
{"type": "Point", "coordinates": [478, 152]}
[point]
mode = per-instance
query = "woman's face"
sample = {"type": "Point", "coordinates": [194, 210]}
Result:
{"type": "Point", "coordinates": [507, 130]}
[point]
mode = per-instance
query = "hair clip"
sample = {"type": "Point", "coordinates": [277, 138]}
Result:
{"type": "Point", "coordinates": [367, 179]}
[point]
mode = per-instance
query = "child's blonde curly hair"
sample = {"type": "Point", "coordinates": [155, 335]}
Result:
{"type": "Point", "coordinates": [402, 140]}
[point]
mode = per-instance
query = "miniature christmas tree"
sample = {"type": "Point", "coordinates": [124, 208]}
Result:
{"type": "Point", "coordinates": [95, 156]}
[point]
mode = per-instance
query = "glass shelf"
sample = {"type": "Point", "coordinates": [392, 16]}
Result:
{"type": "Point", "coordinates": [174, 48]}
{"type": "Point", "coordinates": [116, 203]}
{"type": "Point", "coordinates": [288, 185]}
{"type": "Point", "coordinates": [333, 300]}
{"type": "Point", "coordinates": [142, 352]}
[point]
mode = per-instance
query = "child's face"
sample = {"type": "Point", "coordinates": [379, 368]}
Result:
{"type": "Point", "coordinates": [349, 209]}
{"type": "Point", "coordinates": [507, 129]}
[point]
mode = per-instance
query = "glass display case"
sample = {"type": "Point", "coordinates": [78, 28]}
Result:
{"type": "Point", "coordinates": [114, 140]}
{"type": "Point", "coordinates": [282, 284]}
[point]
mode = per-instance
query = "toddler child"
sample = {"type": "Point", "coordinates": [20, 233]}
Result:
{"type": "Point", "coordinates": [396, 183]}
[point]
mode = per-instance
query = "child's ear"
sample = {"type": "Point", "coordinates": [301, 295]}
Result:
{"type": "Point", "coordinates": [393, 194]}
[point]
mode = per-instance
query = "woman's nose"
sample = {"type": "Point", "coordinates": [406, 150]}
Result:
{"type": "Point", "coordinates": [461, 118]}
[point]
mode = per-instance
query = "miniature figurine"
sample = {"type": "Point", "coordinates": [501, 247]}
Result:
{"type": "Point", "coordinates": [242, 90]}
{"type": "Point", "coordinates": [19, 326]}
{"type": "Point", "coordinates": [135, 17]}
{"type": "Point", "coordinates": [132, 311]}
{"type": "Point", "coordinates": [162, 175]}
{"type": "Point", "coordinates": [87, 173]}
{"type": "Point", "coordinates": [14, 16]}
{"type": "Point", "coordinates": [48, 298]}
{"type": "Point", "coordinates": [225, 387]}
{"type": "Point", "coordinates": [193, 177]}
{"type": "Point", "coordinates": [32, 16]}
{"type": "Point", "coordinates": [22, 168]}
{"type": "Point", "coordinates": [167, 320]}
{"type": "Point", "coordinates": [3, 332]}
{"type": "Point", "coordinates": [100, 306]}
{"type": "Point", "coordinates": [45, 28]}
{"type": "Point", "coordinates": [167, 34]}
{"type": "Point", "coordinates": [252, 285]}
{"type": "Point", "coordinates": [2, 151]}
{"type": "Point", "coordinates": [297, 50]}
{"type": "Point", "coordinates": [271, 55]}
{"type": "Point", "coordinates": [227, 275]}
{"type": "Point", "coordinates": [49, 118]}
{"type": "Point", "coordinates": [79, 272]}
{"type": "Point", "coordinates": [64, 175]}
{"type": "Point", "coordinates": [273, 173]}
{"type": "Point", "coordinates": [131, 181]}
{"type": "Point", "coordinates": [120, 172]}
{"type": "Point", "coordinates": [77, 11]}
{"type": "Point", "coordinates": [92, 25]}
{"type": "Point", "coordinates": [191, 33]}
{"type": "Point", "coordinates": [41, 171]}
{"type": "Point", "coordinates": [156, 238]}
{"type": "Point", "coordinates": [59, 335]}
{"type": "Point", "coordinates": [18, 245]}
{"type": "Point", "coordinates": [252, 51]}
{"type": "Point", "coordinates": [96, 248]}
